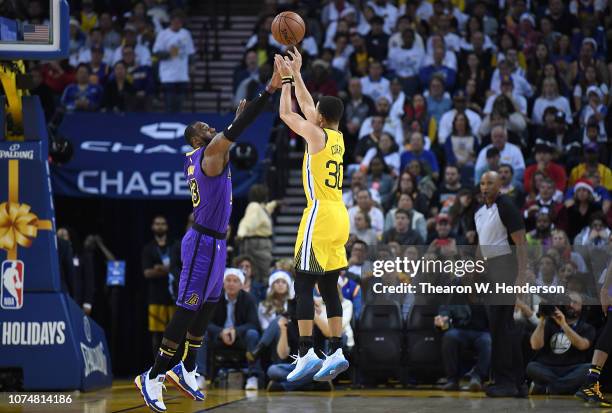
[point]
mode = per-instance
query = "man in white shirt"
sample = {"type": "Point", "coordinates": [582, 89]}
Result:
{"type": "Point", "coordinates": [366, 205]}
{"type": "Point", "coordinates": [509, 153]}
{"type": "Point", "coordinates": [451, 40]}
{"type": "Point", "coordinates": [424, 10]}
{"type": "Point", "coordinates": [387, 11]}
{"type": "Point", "coordinates": [435, 41]}
{"type": "Point", "coordinates": [406, 61]}
{"type": "Point", "coordinates": [375, 85]}
{"type": "Point", "coordinates": [396, 40]}
{"type": "Point", "coordinates": [521, 85]}
{"type": "Point", "coordinates": [173, 46]}
{"type": "Point", "coordinates": [334, 9]}
{"type": "Point", "coordinates": [143, 55]}
{"type": "Point", "coordinates": [393, 124]}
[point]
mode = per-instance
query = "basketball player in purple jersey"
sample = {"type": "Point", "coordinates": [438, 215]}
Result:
{"type": "Point", "coordinates": [203, 251]}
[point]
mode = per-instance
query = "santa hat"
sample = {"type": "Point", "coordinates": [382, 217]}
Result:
{"type": "Point", "coordinates": [529, 17]}
{"type": "Point", "coordinates": [281, 275]}
{"type": "Point", "coordinates": [586, 184]}
{"type": "Point", "coordinates": [236, 272]}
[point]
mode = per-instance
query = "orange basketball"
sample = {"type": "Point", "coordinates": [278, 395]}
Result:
{"type": "Point", "coordinates": [288, 28]}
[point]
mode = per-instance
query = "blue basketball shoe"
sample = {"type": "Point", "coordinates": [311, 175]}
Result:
{"type": "Point", "coordinates": [151, 390]}
{"type": "Point", "coordinates": [185, 381]}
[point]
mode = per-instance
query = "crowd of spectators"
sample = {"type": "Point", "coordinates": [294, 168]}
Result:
{"type": "Point", "coordinates": [118, 61]}
{"type": "Point", "coordinates": [437, 93]}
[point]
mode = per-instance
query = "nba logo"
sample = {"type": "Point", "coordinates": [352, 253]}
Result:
{"type": "Point", "coordinates": [11, 285]}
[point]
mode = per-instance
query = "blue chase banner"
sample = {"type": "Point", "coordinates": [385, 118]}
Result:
{"type": "Point", "coordinates": [141, 155]}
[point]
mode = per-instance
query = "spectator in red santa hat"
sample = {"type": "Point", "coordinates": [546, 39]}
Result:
{"type": "Point", "coordinates": [576, 216]}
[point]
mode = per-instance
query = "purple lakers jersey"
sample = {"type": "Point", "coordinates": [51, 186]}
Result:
{"type": "Point", "coordinates": [211, 196]}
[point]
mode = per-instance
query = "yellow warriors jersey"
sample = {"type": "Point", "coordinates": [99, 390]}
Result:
{"type": "Point", "coordinates": [322, 172]}
{"type": "Point", "coordinates": [324, 228]}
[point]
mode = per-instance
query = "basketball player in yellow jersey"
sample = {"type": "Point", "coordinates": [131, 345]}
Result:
{"type": "Point", "coordinates": [320, 252]}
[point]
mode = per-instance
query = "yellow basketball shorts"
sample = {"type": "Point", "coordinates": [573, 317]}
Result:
{"type": "Point", "coordinates": [159, 316]}
{"type": "Point", "coordinates": [322, 236]}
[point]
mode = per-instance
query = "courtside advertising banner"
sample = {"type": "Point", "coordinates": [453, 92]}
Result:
{"type": "Point", "coordinates": [141, 156]}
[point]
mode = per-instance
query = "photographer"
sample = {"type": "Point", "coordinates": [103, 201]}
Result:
{"type": "Point", "coordinates": [466, 326]}
{"type": "Point", "coordinates": [563, 341]}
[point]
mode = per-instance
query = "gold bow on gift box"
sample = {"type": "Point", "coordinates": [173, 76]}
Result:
{"type": "Point", "coordinates": [18, 225]}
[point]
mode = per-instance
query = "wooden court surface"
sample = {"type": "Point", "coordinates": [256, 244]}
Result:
{"type": "Point", "coordinates": [124, 397]}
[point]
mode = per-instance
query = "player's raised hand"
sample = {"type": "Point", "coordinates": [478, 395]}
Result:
{"type": "Point", "coordinates": [283, 67]}
{"type": "Point", "coordinates": [296, 60]}
{"type": "Point", "coordinates": [275, 80]}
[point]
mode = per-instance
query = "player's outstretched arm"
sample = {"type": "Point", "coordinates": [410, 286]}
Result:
{"type": "Point", "coordinates": [314, 136]}
{"type": "Point", "coordinates": [302, 94]}
{"type": "Point", "coordinates": [216, 154]}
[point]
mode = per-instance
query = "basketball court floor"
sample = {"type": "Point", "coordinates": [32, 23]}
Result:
{"type": "Point", "coordinates": [123, 397]}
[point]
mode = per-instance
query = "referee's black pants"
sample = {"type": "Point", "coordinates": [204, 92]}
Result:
{"type": "Point", "coordinates": [507, 367]}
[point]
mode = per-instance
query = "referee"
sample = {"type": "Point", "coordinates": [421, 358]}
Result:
{"type": "Point", "coordinates": [499, 225]}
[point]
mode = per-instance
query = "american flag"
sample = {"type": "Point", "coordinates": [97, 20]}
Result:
{"type": "Point", "coordinates": [37, 33]}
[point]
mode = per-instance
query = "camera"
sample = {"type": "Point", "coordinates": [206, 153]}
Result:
{"type": "Point", "coordinates": [551, 302]}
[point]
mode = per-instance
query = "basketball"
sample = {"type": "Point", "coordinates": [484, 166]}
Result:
{"type": "Point", "coordinates": [288, 28]}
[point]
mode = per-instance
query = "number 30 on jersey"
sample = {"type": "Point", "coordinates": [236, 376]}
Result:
{"type": "Point", "coordinates": [335, 172]}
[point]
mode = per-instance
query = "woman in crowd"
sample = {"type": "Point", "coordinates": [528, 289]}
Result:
{"type": "Point", "coordinates": [575, 217]}
{"type": "Point", "coordinates": [504, 112]}
{"type": "Point", "coordinates": [388, 150]}
{"type": "Point", "coordinates": [406, 184]}
{"type": "Point", "coordinates": [271, 309]}
{"type": "Point", "coordinates": [474, 99]}
{"type": "Point", "coordinates": [426, 185]}
{"type": "Point", "coordinates": [589, 78]}
{"type": "Point", "coordinates": [118, 92]}
{"type": "Point", "coordinates": [255, 230]}
{"type": "Point", "coordinates": [550, 97]}
{"type": "Point", "coordinates": [417, 219]}
{"type": "Point", "coordinates": [535, 66]}
{"type": "Point", "coordinates": [380, 179]}
{"type": "Point", "coordinates": [461, 149]}
{"type": "Point", "coordinates": [474, 70]}
{"type": "Point", "coordinates": [560, 242]}
{"type": "Point", "coordinates": [361, 228]}
{"type": "Point", "coordinates": [462, 217]}
{"type": "Point", "coordinates": [547, 271]}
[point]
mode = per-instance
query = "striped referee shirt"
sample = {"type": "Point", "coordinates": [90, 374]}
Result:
{"type": "Point", "coordinates": [495, 223]}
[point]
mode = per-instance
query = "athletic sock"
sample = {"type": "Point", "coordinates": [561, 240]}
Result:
{"type": "Point", "coordinates": [305, 344]}
{"type": "Point", "coordinates": [191, 350]}
{"type": "Point", "coordinates": [334, 344]}
{"type": "Point", "coordinates": [593, 375]}
{"type": "Point", "coordinates": [162, 361]}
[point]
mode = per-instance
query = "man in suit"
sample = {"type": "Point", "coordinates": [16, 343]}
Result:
{"type": "Point", "coordinates": [235, 324]}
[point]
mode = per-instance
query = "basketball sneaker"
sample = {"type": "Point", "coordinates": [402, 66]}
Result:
{"type": "Point", "coordinates": [305, 366]}
{"type": "Point", "coordinates": [591, 393]}
{"type": "Point", "coordinates": [185, 381]}
{"type": "Point", "coordinates": [151, 390]}
{"type": "Point", "coordinates": [332, 366]}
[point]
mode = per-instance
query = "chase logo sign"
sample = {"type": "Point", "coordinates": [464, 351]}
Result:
{"type": "Point", "coordinates": [164, 130]}
{"type": "Point", "coordinates": [11, 285]}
